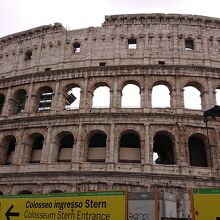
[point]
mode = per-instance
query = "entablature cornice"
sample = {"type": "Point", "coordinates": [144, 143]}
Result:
{"type": "Point", "coordinates": [109, 71]}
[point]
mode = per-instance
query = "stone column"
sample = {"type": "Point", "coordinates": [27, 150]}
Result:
{"type": "Point", "coordinates": [28, 107]}
{"type": "Point", "coordinates": [146, 144]}
{"type": "Point", "coordinates": [6, 107]}
{"type": "Point", "coordinates": [55, 104]}
{"type": "Point", "coordinates": [212, 97]}
{"type": "Point", "coordinates": [110, 150]}
{"type": "Point", "coordinates": [179, 98]}
{"type": "Point", "coordinates": [205, 100]}
{"type": "Point", "coordinates": [19, 148]}
{"type": "Point", "coordinates": [47, 148]}
{"type": "Point", "coordinates": [146, 101]}
{"type": "Point", "coordinates": [77, 146]}
{"type": "Point", "coordinates": [83, 95]}
{"type": "Point", "coordinates": [114, 94]}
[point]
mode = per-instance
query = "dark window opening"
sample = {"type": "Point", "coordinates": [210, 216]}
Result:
{"type": "Point", "coordinates": [130, 151]}
{"type": "Point", "coordinates": [21, 101]}
{"type": "Point", "coordinates": [28, 55]}
{"type": "Point", "coordinates": [163, 147]}
{"type": "Point", "coordinates": [197, 152]}
{"type": "Point", "coordinates": [56, 191]}
{"type": "Point", "coordinates": [132, 43]}
{"type": "Point", "coordinates": [65, 148]}
{"type": "Point", "coordinates": [45, 100]}
{"type": "Point", "coordinates": [97, 148]}
{"type": "Point", "coordinates": [189, 44]}
{"type": "Point", "coordinates": [47, 69]}
{"type": "Point", "coordinates": [76, 47]}
{"type": "Point", "coordinates": [130, 140]}
{"type": "Point", "coordinates": [67, 141]}
{"type": "Point", "coordinates": [10, 152]}
{"type": "Point", "coordinates": [102, 63]}
{"type": "Point", "coordinates": [25, 192]}
{"type": "Point", "coordinates": [38, 143]}
{"type": "Point", "coordinates": [37, 149]}
{"type": "Point", "coordinates": [160, 62]}
{"type": "Point", "coordinates": [98, 140]}
{"type": "Point", "coordinates": [2, 101]}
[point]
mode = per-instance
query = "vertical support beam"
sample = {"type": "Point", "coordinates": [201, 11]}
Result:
{"type": "Point", "coordinates": [110, 150]}
{"type": "Point", "coordinates": [55, 103]}
{"type": "Point", "coordinates": [113, 98]}
{"type": "Point", "coordinates": [28, 107]}
{"type": "Point", "coordinates": [18, 153]}
{"type": "Point", "coordinates": [76, 157]}
{"type": "Point", "coordinates": [146, 144]}
{"type": "Point", "coordinates": [47, 148]}
{"type": "Point", "coordinates": [5, 110]}
{"type": "Point", "coordinates": [84, 102]}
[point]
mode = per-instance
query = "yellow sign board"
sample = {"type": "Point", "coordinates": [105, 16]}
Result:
{"type": "Point", "coordinates": [65, 206]}
{"type": "Point", "coordinates": [206, 204]}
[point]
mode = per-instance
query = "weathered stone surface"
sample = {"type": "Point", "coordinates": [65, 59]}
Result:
{"type": "Point", "coordinates": [53, 63]}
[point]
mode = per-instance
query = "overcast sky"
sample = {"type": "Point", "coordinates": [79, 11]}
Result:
{"type": "Point", "coordinates": [20, 15]}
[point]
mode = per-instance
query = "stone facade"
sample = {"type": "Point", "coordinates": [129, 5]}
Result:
{"type": "Point", "coordinates": [171, 50]}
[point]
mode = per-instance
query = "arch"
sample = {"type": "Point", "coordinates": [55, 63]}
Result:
{"type": "Point", "coordinates": [160, 96]}
{"type": "Point", "coordinates": [163, 148]}
{"type": "Point", "coordinates": [131, 96]}
{"type": "Point", "coordinates": [2, 102]}
{"type": "Point", "coordinates": [36, 142]}
{"type": "Point", "coordinates": [97, 146]}
{"type": "Point", "coordinates": [19, 101]}
{"type": "Point", "coordinates": [197, 145]}
{"type": "Point", "coordinates": [56, 191]}
{"type": "Point", "coordinates": [1, 193]}
{"type": "Point", "coordinates": [25, 192]}
{"type": "Point", "coordinates": [45, 98]}
{"type": "Point", "coordinates": [130, 147]}
{"type": "Point", "coordinates": [101, 96]}
{"type": "Point", "coordinates": [8, 149]}
{"type": "Point", "coordinates": [192, 93]}
{"type": "Point", "coordinates": [65, 141]}
{"type": "Point", "coordinates": [72, 96]}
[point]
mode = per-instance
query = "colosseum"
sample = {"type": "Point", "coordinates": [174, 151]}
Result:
{"type": "Point", "coordinates": [54, 137]}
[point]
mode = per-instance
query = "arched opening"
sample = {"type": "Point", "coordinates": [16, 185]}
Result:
{"type": "Point", "coordinates": [65, 147]}
{"type": "Point", "coordinates": [1, 193]}
{"type": "Point", "coordinates": [101, 97]}
{"type": "Point", "coordinates": [197, 151]}
{"type": "Point", "coordinates": [130, 149]}
{"type": "Point", "coordinates": [131, 97]}
{"type": "Point", "coordinates": [25, 192]}
{"type": "Point", "coordinates": [72, 97]}
{"type": "Point", "coordinates": [20, 99]}
{"type": "Point", "coordinates": [192, 98]}
{"type": "Point", "coordinates": [160, 96]}
{"type": "Point", "coordinates": [45, 99]}
{"type": "Point", "coordinates": [37, 140]}
{"type": "Point", "coordinates": [217, 96]}
{"type": "Point", "coordinates": [9, 143]}
{"type": "Point", "coordinates": [163, 148]}
{"type": "Point", "coordinates": [97, 147]}
{"type": "Point", "coordinates": [56, 191]}
{"type": "Point", "coordinates": [2, 102]}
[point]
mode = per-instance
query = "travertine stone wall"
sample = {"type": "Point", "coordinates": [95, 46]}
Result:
{"type": "Point", "coordinates": [54, 64]}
